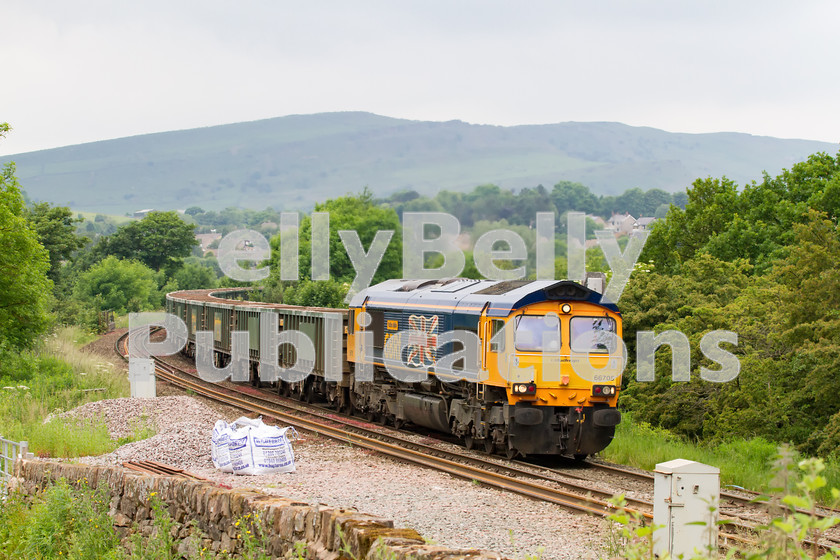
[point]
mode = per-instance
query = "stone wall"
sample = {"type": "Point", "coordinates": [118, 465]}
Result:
{"type": "Point", "coordinates": [206, 515]}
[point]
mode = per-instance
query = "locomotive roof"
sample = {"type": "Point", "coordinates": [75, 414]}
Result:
{"type": "Point", "coordinates": [462, 296]}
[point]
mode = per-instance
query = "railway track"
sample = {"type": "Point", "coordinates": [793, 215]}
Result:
{"type": "Point", "coordinates": [513, 479]}
{"type": "Point", "coordinates": [514, 476]}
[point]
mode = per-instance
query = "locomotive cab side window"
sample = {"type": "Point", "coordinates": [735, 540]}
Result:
{"type": "Point", "coordinates": [537, 332]}
{"type": "Point", "coordinates": [496, 326]}
{"type": "Point", "coordinates": [598, 341]}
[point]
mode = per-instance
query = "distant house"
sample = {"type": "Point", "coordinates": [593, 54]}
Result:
{"type": "Point", "coordinates": [599, 221]}
{"type": "Point", "coordinates": [644, 223]}
{"type": "Point", "coordinates": [206, 239]}
{"type": "Point", "coordinates": [143, 213]}
{"type": "Point", "coordinates": [621, 223]}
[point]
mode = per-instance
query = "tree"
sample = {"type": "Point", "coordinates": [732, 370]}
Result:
{"type": "Point", "coordinates": [55, 226]}
{"type": "Point", "coordinates": [710, 209]}
{"type": "Point", "coordinates": [529, 202]}
{"type": "Point", "coordinates": [654, 198]}
{"type": "Point", "coordinates": [160, 240]}
{"type": "Point", "coordinates": [328, 293]}
{"type": "Point", "coordinates": [680, 199]}
{"type": "Point", "coordinates": [490, 202]}
{"type": "Point", "coordinates": [119, 285]}
{"type": "Point", "coordinates": [632, 201]}
{"type": "Point", "coordinates": [24, 286]}
{"type": "Point", "coordinates": [568, 196]}
{"type": "Point", "coordinates": [195, 276]}
{"type": "Point", "coordinates": [349, 213]}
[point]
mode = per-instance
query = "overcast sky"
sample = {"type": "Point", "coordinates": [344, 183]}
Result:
{"type": "Point", "coordinates": [81, 71]}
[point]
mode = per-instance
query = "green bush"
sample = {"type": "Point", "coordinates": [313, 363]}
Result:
{"type": "Point", "coordinates": [62, 522]}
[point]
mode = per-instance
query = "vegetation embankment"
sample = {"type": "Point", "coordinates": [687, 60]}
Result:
{"type": "Point", "coordinates": [64, 522]}
{"type": "Point", "coordinates": [762, 262]}
{"type": "Point", "coordinates": [743, 463]}
{"type": "Point", "coordinates": [38, 384]}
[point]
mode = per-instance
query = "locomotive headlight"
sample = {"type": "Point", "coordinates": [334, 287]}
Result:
{"type": "Point", "coordinates": [566, 308]}
{"type": "Point", "coordinates": [524, 389]}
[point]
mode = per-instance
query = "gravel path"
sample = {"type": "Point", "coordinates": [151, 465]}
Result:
{"type": "Point", "coordinates": [446, 510]}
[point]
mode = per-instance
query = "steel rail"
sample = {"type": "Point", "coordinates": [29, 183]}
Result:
{"type": "Point", "coordinates": [428, 453]}
{"type": "Point", "coordinates": [153, 467]}
{"type": "Point", "coordinates": [559, 497]}
{"type": "Point", "coordinates": [569, 500]}
{"type": "Point", "coordinates": [478, 462]}
{"type": "Point", "coordinates": [556, 496]}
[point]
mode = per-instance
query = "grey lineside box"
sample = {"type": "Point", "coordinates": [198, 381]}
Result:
{"type": "Point", "coordinates": [685, 505]}
{"type": "Point", "coordinates": [141, 377]}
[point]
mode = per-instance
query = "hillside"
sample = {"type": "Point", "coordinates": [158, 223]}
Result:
{"type": "Point", "coordinates": [291, 162]}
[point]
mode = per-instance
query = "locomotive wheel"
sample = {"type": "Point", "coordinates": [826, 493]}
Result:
{"type": "Point", "coordinates": [370, 416]}
{"type": "Point", "coordinates": [356, 403]}
{"type": "Point", "coordinates": [398, 423]}
{"type": "Point", "coordinates": [384, 419]}
{"type": "Point", "coordinates": [580, 457]}
{"type": "Point", "coordinates": [511, 452]}
{"type": "Point", "coordinates": [469, 442]}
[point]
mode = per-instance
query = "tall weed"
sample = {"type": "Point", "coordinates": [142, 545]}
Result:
{"type": "Point", "coordinates": [61, 522]}
{"type": "Point", "coordinates": [54, 377]}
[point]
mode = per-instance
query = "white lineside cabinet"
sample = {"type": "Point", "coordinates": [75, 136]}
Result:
{"type": "Point", "coordinates": [141, 377]}
{"type": "Point", "coordinates": [683, 492]}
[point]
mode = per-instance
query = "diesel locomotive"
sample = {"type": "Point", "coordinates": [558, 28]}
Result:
{"type": "Point", "coordinates": [515, 367]}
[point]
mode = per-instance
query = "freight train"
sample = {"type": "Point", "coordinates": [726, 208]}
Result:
{"type": "Point", "coordinates": [513, 367]}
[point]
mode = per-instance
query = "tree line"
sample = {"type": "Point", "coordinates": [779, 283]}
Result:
{"type": "Point", "coordinates": [762, 260]}
{"type": "Point", "coordinates": [493, 203]}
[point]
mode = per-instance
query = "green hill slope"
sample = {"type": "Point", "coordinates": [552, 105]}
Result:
{"type": "Point", "coordinates": [292, 162]}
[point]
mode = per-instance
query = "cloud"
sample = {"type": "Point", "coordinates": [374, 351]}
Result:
{"type": "Point", "coordinates": [96, 70]}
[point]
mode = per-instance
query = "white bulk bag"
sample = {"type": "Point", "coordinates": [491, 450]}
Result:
{"type": "Point", "coordinates": [219, 452]}
{"type": "Point", "coordinates": [271, 450]}
{"type": "Point", "coordinates": [220, 442]}
{"type": "Point", "coordinates": [251, 447]}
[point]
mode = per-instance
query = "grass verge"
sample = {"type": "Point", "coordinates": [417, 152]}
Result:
{"type": "Point", "coordinates": [55, 377]}
{"type": "Point", "coordinates": [745, 463]}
